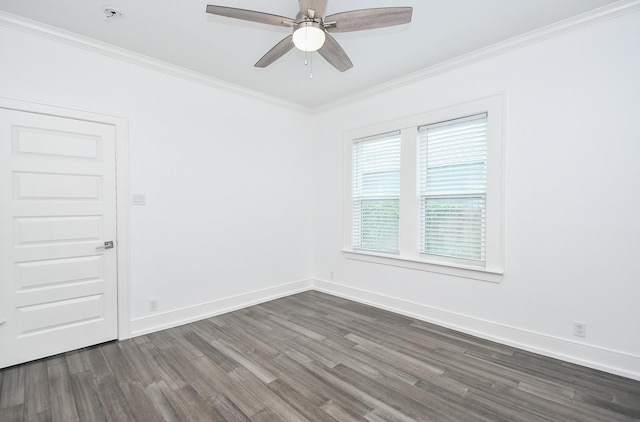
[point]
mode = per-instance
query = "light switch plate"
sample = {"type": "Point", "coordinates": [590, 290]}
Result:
{"type": "Point", "coordinates": [139, 199]}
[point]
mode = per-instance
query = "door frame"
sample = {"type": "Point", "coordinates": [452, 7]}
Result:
{"type": "Point", "coordinates": [123, 222]}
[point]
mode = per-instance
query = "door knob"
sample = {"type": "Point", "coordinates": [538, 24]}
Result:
{"type": "Point", "coordinates": [107, 245]}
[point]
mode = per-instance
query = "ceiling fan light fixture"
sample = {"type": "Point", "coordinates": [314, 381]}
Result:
{"type": "Point", "coordinates": [308, 36]}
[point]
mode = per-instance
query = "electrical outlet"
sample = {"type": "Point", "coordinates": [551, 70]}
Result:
{"type": "Point", "coordinates": [139, 199]}
{"type": "Point", "coordinates": [153, 305]}
{"type": "Point", "coordinates": [579, 329]}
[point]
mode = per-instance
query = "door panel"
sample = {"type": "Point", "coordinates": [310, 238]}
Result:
{"type": "Point", "coordinates": [30, 275]}
{"type": "Point", "coordinates": [32, 230]}
{"type": "Point", "coordinates": [52, 187]}
{"type": "Point", "coordinates": [58, 290]}
{"type": "Point", "coordinates": [30, 141]}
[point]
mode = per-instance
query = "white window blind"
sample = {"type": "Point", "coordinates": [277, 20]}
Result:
{"type": "Point", "coordinates": [376, 193]}
{"type": "Point", "coordinates": [452, 181]}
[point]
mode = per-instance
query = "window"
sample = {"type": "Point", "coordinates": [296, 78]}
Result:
{"type": "Point", "coordinates": [452, 176]}
{"type": "Point", "coordinates": [376, 193]}
{"type": "Point", "coordinates": [426, 192]}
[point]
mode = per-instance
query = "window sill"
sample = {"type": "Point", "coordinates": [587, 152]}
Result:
{"type": "Point", "coordinates": [493, 276]}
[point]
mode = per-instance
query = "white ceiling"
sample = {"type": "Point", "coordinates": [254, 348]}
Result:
{"type": "Point", "coordinates": [181, 33]}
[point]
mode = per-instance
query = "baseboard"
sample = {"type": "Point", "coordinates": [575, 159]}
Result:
{"type": "Point", "coordinates": [174, 318]}
{"type": "Point", "coordinates": [591, 356]}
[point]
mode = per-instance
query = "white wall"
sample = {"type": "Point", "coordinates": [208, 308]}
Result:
{"type": "Point", "coordinates": [228, 204]}
{"type": "Point", "coordinates": [230, 213]}
{"type": "Point", "coordinates": [572, 200]}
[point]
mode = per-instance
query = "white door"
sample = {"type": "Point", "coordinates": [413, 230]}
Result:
{"type": "Point", "coordinates": [58, 288]}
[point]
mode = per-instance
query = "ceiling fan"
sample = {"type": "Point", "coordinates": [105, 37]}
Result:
{"type": "Point", "coordinates": [311, 30]}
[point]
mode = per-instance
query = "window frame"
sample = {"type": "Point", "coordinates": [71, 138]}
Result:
{"type": "Point", "coordinates": [409, 235]}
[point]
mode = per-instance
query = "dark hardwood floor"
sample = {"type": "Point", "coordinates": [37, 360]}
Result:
{"type": "Point", "coordinates": [311, 357]}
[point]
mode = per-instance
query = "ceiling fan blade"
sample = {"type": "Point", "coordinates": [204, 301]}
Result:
{"type": "Point", "coordinates": [276, 52]}
{"type": "Point", "coordinates": [334, 54]}
{"type": "Point", "coordinates": [250, 15]}
{"type": "Point", "coordinates": [317, 5]}
{"type": "Point", "coordinates": [358, 20]}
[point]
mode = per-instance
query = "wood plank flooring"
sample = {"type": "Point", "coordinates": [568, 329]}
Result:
{"type": "Point", "coordinates": [311, 357]}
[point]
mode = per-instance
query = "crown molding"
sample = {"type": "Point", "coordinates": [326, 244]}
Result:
{"type": "Point", "coordinates": [574, 23]}
{"type": "Point", "coordinates": [536, 36]}
{"type": "Point", "coordinates": [20, 23]}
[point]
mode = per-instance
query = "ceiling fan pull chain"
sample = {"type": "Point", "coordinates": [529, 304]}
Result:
{"type": "Point", "coordinates": [306, 52]}
{"type": "Point", "coordinates": [306, 33]}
